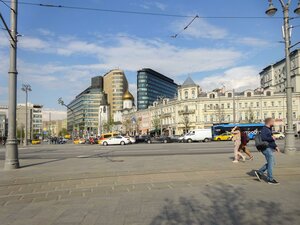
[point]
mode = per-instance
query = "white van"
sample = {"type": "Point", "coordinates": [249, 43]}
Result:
{"type": "Point", "coordinates": [198, 135]}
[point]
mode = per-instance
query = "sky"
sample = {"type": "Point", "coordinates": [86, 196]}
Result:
{"type": "Point", "coordinates": [61, 49]}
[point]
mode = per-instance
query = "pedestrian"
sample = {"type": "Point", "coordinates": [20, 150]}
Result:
{"type": "Point", "coordinates": [268, 152]}
{"type": "Point", "coordinates": [243, 146]}
{"type": "Point", "coordinates": [236, 131]}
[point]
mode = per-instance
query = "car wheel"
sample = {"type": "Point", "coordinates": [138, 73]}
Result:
{"type": "Point", "coordinates": [149, 142]}
{"type": "Point", "coordinates": [165, 141]}
{"type": "Point", "coordinates": [189, 140]}
{"type": "Point", "coordinates": [105, 143]}
{"type": "Point", "coordinates": [280, 138]}
{"type": "Point", "coordinates": [229, 139]}
{"type": "Point", "coordinates": [122, 143]}
{"type": "Point", "coordinates": [206, 140]}
{"type": "Point", "coordinates": [219, 139]}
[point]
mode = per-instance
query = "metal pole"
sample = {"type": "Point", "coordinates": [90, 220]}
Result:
{"type": "Point", "coordinates": [26, 118]}
{"type": "Point", "coordinates": [289, 137]}
{"type": "Point", "coordinates": [11, 154]}
{"type": "Point", "coordinates": [233, 107]}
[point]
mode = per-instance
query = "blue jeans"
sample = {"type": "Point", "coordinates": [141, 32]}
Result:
{"type": "Point", "coordinates": [268, 153]}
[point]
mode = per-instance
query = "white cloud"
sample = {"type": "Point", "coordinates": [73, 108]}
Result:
{"type": "Point", "coordinates": [33, 44]}
{"type": "Point", "coordinates": [251, 41]}
{"type": "Point", "coordinates": [155, 4]}
{"type": "Point", "coordinates": [200, 28]}
{"type": "Point", "coordinates": [239, 78]}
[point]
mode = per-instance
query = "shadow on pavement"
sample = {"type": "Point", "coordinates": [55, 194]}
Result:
{"type": "Point", "coordinates": [223, 205]}
{"type": "Point", "coordinates": [41, 163]}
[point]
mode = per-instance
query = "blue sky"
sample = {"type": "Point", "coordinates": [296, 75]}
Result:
{"type": "Point", "coordinates": [62, 49]}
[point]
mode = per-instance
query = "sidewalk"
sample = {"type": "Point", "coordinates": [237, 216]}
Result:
{"type": "Point", "coordinates": [197, 189]}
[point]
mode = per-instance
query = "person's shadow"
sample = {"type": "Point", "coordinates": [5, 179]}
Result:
{"type": "Point", "coordinates": [224, 205]}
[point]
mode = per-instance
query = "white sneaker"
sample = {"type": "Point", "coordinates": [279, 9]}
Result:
{"type": "Point", "coordinates": [235, 161]}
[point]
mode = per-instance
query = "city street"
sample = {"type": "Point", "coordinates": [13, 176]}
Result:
{"type": "Point", "coordinates": [146, 184]}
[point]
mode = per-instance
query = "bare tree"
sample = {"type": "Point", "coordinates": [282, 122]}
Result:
{"type": "Point", "coordinates": [186, 122]}
{"type": "Point", "coordinates": [220, 114]}
{"type": "Point", "coordinates": [250, 116]}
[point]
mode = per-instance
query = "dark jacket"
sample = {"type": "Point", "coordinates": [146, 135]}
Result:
{"type": "Point", "coordinates": [266, 135]}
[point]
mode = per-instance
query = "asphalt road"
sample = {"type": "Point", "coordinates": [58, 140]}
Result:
{"type": "Point", "coordinates": [46, 151]}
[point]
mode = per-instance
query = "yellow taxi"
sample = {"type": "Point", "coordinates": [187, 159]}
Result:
{"type": "Point", "coordinates": [36, 142]}
{"type": "Point", "coordinates": [67, 136]}
{"type": "Point", "coordinates": [223, 137]}
{"type": "Point", "coordinates": [76, 141]}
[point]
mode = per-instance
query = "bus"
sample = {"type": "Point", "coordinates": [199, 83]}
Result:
{"type": "Point", "coordinates": [250, 128]}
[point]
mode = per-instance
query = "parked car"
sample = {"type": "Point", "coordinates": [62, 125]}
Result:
{"type": "Point", "coordinates": [107, 136]}
{"type": "Point", "coordinates": [132, 140]}
{"type": "Point", "coordinates": [118, 140]}
{"type": "Point", "coordinates": [76, 141]}
{"type": "Point", "coordinates": [142, 138]}
{"type": "Point", "coordinates": [278, 135]}
{"type": "Point", "coordinates": [160, 139]}
{"type": "Point", "coordinates": [223, 137]}
{"type": "Point", "coordinates": [204, 135]}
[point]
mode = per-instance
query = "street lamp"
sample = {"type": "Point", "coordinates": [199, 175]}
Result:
{"type": "Point", "coordinates": [61, 102]}
{"type": "Point", "coordinates": [26, 88]}
{"type": "Point", "coordinates": [289, 139]}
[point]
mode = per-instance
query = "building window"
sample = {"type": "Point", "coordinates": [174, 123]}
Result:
{"type": "Point", "coordinates": [257, 104]}
{"type": "Point", "coordinates": [228, 105]}
{"type": "Point", "coordinates": [268, 93]}
{"type": "Point", "coordinates": [248, 94]}
{"type": "Point", "coordinates": [186, 94]}
{"type": "Point", "coordinates": [229, 95]}
{"type": "Point", "coordinates": [193, 94]}
{"type": "Point", "coordinates": [212, 96]}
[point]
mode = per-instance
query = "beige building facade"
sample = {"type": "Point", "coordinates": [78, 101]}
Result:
{"type": "Point", "coordinates": [115, 85]}
{"type": "Point", "coordinates": [274, 76]}
{"type": "Point", "coordinates": [194, 109]}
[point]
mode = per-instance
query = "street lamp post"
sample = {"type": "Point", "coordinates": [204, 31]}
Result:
{"type": "Point", "coordinates": [61, 102]}
{"type": "Point", "coordinates": [11, 154]}
{"type": "Point", "coordinates": [26, 88]}
{"type": "Point", "coordinates": [289, 139]}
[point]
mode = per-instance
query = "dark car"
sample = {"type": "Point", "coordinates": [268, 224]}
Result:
{"type": "Point", "coordinates": [160, 139]}
{"type": "Point", "coordinates": [142, 138]}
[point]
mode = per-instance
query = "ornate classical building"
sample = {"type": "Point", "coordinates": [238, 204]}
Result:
{"type": "Point", "coordinates": [194, 108]}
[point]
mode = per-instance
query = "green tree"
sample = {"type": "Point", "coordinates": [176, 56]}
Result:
{"type": "Point", "coordinates": [156, 123]}
{"type": "Point", "coordinates": [109, 125]}
{"type": "Point", "coordinates": [63, 132]}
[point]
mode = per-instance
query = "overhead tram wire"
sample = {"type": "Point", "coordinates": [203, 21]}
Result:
{"type": "Point", "coordinates": [46, 5]}
{"type": "Point", "coordinates": [186, 27]}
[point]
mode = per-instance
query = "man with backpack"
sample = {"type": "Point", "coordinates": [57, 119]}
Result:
{"type": "Point", "coordinates": [265, 142]}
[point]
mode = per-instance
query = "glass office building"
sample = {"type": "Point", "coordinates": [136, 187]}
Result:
{"type": "Point", "coordinates": [83, 112]}
{"type": "Point", "coordinates": [152, 85]}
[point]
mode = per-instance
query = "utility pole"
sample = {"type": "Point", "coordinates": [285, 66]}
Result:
{"type": "Point", "coordinates": [26, 88]}
{"type": "Point", "coordinates": [289, 147]}
{"type": "Point", "coordinates": [11, 154]}
{"type": "Point", "coordinates": [233, 106]}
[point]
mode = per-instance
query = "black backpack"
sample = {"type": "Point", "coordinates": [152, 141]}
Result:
{"type": "Point", "coordinates": [259, 143]}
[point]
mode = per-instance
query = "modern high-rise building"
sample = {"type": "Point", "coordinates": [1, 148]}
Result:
{"type": "Point", "coordinates": [83, 111]}
{"type": "Point", "coordinates": [115, 85]}
{"type": "Point", "coordinates": [152, 85]}
{"type": "Point", "coordinates": [274, 76]}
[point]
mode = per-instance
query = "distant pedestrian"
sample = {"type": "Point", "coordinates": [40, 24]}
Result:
{"type": "Point", "coordinates": [266, 136]}
{"type": "Point", "coordinates": [236, 131]}
{"type": "Point", "coordinates": [243, 146]}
